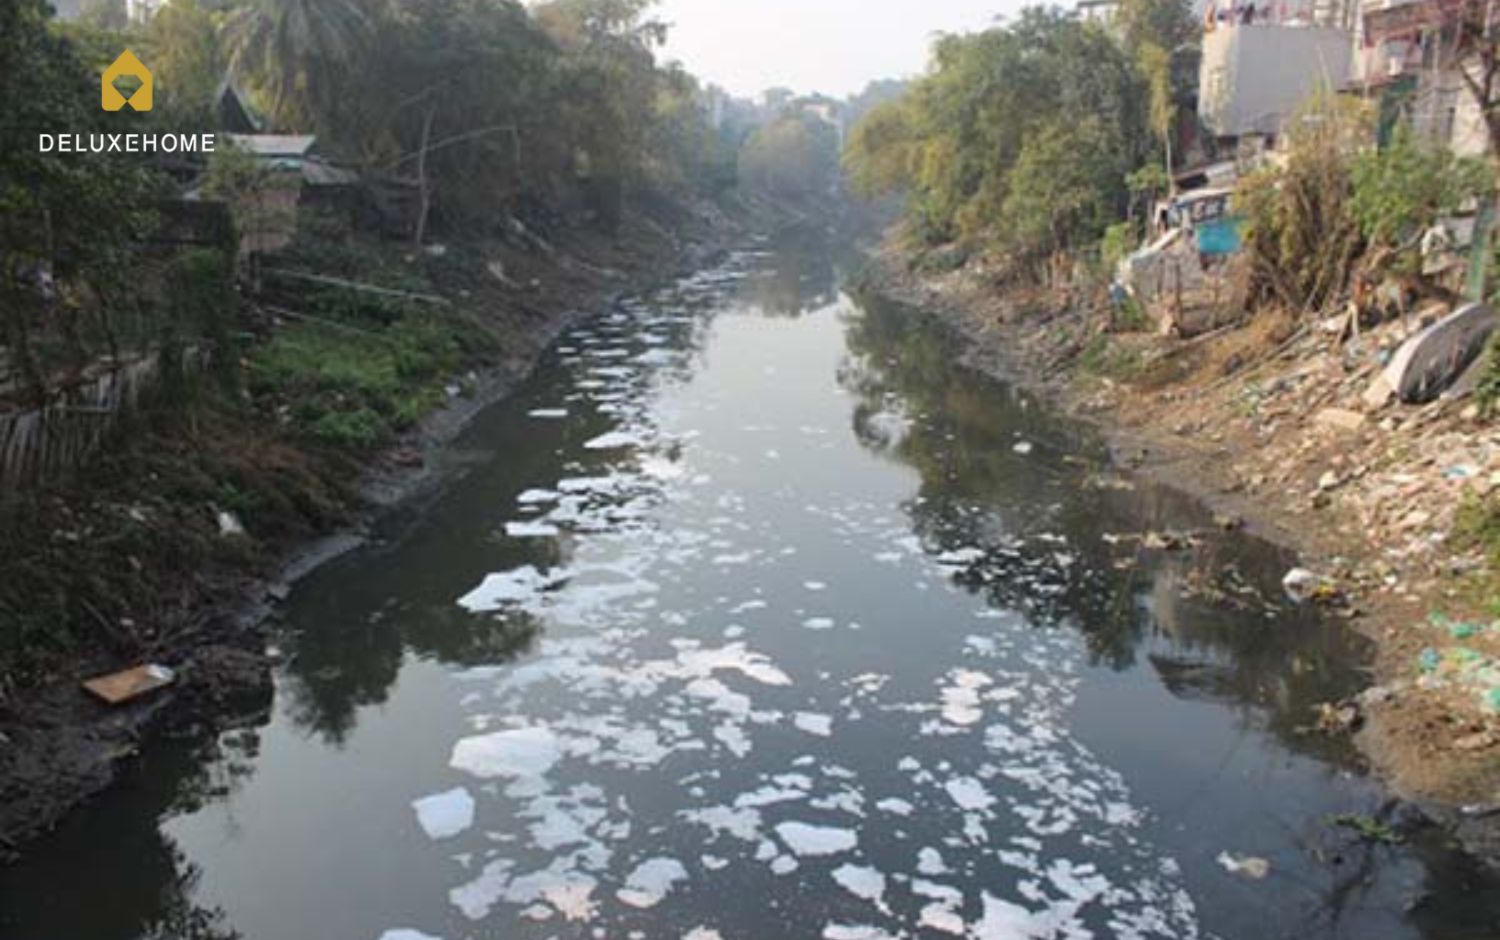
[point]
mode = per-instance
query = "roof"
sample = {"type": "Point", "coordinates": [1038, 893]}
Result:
{"type": "Point", "coordinates": [1197, 195]}
{"type": "Point", "coordinates": [274, 145]}
{"type": "Point", "coordinates": [318, 173]}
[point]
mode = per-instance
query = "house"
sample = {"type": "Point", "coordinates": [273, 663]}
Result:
{"type": "Point", "coordinates": [1405, 59]}
{"type": "Point", "coordinates": [298, 178]}
{"type": "Point", "coordinates": [1102, 12]}
{"type": "Point", "coordinates": [1257, 71]}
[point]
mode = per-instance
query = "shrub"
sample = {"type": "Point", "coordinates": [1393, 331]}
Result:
{"type": "Point", "coordinates": [1301, 232]}
{"type": "Point", "coordinates": [1400, 191]}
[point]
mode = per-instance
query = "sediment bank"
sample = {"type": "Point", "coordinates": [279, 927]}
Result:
{"type": "Point", "coordinates": [1264, 422]}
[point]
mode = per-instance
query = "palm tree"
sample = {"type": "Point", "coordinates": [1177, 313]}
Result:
{"type": "Point", "coordinates": [296, 51]}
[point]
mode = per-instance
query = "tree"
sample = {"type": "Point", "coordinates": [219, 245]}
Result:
{"type": "Point", "coordinates": [182, 44]}
{"type": "Point", "coordinates": [62, 219]}
{"type": "Point", "coordinates": [298, 52]}
{"type": "Point", "coordinates": [1061, 188]}
{"type": "Point", "coordinates": [882, 149]}
{"type": "Point", "coordinates": [796, 156]}
{"type": "Point", "coordinates": [954, 141]}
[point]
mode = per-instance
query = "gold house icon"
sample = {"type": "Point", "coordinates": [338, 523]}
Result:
{"type": "Point", "coordinates": [126, 64]}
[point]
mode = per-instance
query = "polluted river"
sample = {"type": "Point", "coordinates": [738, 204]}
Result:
{"type": "Point", "coordinates": [754, 614]}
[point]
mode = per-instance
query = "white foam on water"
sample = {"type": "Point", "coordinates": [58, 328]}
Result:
{"type": "Point", "coordinates": [444, 815]}
{"type": "Point", "coordinates": [407, 934]}
{"type": "Point", "coordinates": [818, 623]}
{"type": "Point", "coordinates": [651, 881]}
{"type": "Point", "coordinates": [856, 932]}
{"type": "Point", "coordinates": [962, 698]}
{"type": "Point", "coordinates": [510, 587]}
{"type": "Point", "coordinates": [895, 806]}
{"type": "Point", "coordinates": [969, 793]}
{"type": "Point", "coordinates": [940, 918]}
{"type": "Point", "coordinates": [806, 839]}
{"type": "Point", "coordinates": [813, 723]}
{"type": "Point", "coordinates": [865, 883]}
{"type": "Point", "coordinates": [519, 752]}
{"type": "Point", "coordinates": [930, 862]}
{"type": "Point", "coordinates": [550, 414]}
{"type": "Point", "coordinates": [538, 497]}
{"type": "Point", "coordinates": [614, 440]}
{"type": "Point", "coordinates": [528, 529]}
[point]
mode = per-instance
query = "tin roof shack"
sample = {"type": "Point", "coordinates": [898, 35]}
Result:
{"type": "Point", "coordinates": [1184, 279]}
{"type": "Point", "coordinates": [1254, 76]}
{"type": "Point", "coordinates": [297, 178]}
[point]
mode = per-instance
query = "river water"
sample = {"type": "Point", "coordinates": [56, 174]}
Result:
{"type": "Point", "coordinates": [756, 615]}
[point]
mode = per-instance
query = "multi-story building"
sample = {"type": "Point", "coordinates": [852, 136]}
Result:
{"type": "Point", "coordinates": [1261, 61]}
{"type": "Point", "coordinates": [1408, 57]}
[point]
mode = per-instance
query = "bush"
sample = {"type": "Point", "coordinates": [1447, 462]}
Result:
{"type": "Point", "coordinates": [1400, 191]}
{"type": "Point", "coordinates": [355, 388]}
{"type": "Point", "coordinates": [1119, 241]}
{"type": "Point", "coordinates": [1301, 233]}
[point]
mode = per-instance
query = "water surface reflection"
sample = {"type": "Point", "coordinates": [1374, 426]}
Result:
{"type": "Point", "coordinates": [755, 615]}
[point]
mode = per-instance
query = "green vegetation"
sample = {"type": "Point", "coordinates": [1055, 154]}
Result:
{"type": "Point", "coordinates": [1399, 191]}
{"type": "Point", "coordinates": [1368, 829]}
{"type": "Point", "coordinates": [1021, 138]}
{"type": "Point", "coordinates": [793, 157]}
{"type": "Point", "coordinates": [355, 386]}
{"type": "Point", "coordinates": [1301, 233]}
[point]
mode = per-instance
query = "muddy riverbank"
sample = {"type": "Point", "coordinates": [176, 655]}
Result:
{"type": "Point", "coordinates": [1186, 414]}
{"type": "Point", "coordinates": [60, 746]}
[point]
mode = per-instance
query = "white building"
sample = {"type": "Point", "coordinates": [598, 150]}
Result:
{"type": "Point", "coordinates": [1404, 52]}
{"type": "Point", "coordinates": [1254, 76]}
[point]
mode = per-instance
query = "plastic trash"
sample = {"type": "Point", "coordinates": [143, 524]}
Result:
{"type": "Point", "coordinates": [1429, 659]}
{"type": "Point", "coordinates": [1247, 866]}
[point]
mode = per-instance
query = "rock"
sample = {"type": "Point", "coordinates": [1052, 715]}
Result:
{"type": "Point", "coordinates": [229, 524]}
{"type": "Point", "coordinates": [1329, 481]}
{"type": "Point", "coordinates": [1475, 742]}
{"type": "Point", "coordinates": [1376, 695]}
{"type": "Point", "coordinates": [1378, 393]}
{"type": "Point", "coordinates": [1341, 419]}
{"type": "Point", "coordinates": [1432, 360]}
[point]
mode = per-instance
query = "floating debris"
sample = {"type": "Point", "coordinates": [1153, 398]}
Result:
{"type": "Point", "coordinates": [1247, 866]}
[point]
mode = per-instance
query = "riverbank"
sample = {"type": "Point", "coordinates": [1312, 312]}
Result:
{"type": "Point", "coordinates": [175, 547]}
{"type": "Point", "coordinates": [1267, 424]}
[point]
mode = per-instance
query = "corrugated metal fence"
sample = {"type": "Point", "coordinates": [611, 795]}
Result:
{"type": "Point", "coordinates": [41, 444]}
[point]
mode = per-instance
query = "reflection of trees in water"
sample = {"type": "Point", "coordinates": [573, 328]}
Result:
{"type": "Point", "coordinates": [1199, 616]}
{"type": "Point", "coordinates": [153, 884]}
{"type": "Point", "coordinates": [800, 277]}
{"type": "Point", "coordinates": [339, 671]}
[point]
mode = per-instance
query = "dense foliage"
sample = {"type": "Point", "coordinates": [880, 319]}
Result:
{"type": "Point", "coordinates": [794, 156]}
{"type": "Point", "coordinates": [1022, 136]}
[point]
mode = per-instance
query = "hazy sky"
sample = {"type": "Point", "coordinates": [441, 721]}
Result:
{"type": "Point", "coordinates": [832, 46]}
